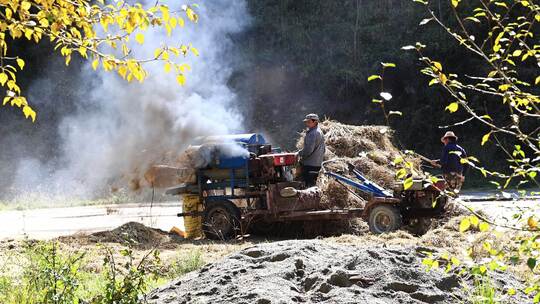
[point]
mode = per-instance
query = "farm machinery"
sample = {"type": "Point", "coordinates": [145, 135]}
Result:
{"type": "Point", "coordinates": [255, 190]}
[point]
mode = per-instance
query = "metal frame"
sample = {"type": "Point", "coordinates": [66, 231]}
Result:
{"type": "Point", "coordinates": [365, 185]}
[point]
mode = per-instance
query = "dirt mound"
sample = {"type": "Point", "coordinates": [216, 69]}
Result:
{"type": "Point", "coordinates": [312, 271]}
{"type": "Point", "coordinates": [132, 233]}
{"type": "Point", "coordinates": [369, 148]}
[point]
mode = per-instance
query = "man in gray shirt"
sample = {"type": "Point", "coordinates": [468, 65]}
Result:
{"type": "Point", "coordinates": [312, 154]}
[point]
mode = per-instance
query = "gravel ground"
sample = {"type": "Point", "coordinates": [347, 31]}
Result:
{"type": "Point", "coordinates": [314, 271]}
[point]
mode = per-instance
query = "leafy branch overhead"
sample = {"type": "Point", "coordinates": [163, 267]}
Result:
{"type": "Point", "coordinates": [94, 30]}
{"type": "Point", "coordinates": [504, 98]}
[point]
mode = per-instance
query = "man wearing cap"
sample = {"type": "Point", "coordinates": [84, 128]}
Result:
{"type": "Point", "coordinates": [450, 162]}
{"type": "Point", "coordinates": [312, 154]}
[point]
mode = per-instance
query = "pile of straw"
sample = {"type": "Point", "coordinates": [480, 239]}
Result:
{"type": "Point", "coordinates": [369, 148]}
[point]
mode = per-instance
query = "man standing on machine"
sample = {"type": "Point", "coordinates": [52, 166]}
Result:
{"type": "Point", "coordinates": [312, 154]}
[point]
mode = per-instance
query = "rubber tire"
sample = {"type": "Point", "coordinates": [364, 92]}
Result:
{"type": "Point", "coordinates": [421, 226]}
{"type": "Point", "coordinates": [232, 215]}
{"type": "Point", "coordinates": [393, 214]}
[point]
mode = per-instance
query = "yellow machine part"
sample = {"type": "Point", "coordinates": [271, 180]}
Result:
{"type": "Point", "coordinates": [193, 224]}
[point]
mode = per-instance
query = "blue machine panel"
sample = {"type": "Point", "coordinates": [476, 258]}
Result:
{"type": "Point", "coordinates": [248, 139]}
{"type": "Point", "coordinates": [233, 150]}
{"type": "Point", "coordinates": [232, 162]}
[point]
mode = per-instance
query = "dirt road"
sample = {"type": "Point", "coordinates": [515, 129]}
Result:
{"type": "Point", "coordinates": [54, 222]}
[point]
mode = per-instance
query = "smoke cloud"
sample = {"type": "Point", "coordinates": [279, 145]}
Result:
{"type": "Point", "coordinates": [118, 129]}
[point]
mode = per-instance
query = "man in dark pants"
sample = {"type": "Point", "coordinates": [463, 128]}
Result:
{"type": "Point", "coordinates": [312, 154]}
{"type": "Point", "coordinates": [450, 162]}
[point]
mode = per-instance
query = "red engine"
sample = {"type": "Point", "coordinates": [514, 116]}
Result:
{"type": "Point", "coordinates": [281, 159]}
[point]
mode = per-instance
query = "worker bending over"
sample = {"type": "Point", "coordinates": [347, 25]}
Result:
{"type": "Point", "coordinates": [312, 154]}
{"type": "Point", "coordinates": [450, 162]}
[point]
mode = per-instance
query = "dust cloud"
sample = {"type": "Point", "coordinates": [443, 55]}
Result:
{"type": "Point", "coordinates": [118, 129]}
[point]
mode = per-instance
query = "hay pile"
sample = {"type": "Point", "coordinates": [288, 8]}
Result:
{"type": "Point", "coordinates": [369, 148]}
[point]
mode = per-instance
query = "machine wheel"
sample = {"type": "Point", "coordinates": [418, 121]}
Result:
{"type": "Point", "coordinates": [419, 226]}
{"type": "Point", "coordinates": [221, 221]}
{"type": "Point", "coordinates": [384, 218]}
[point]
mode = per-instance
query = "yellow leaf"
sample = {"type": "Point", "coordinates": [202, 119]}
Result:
{"type": "Point", "coordinates": [122, 70]}
{"type": "Point", "coordinates": [443, 78]}
{"type": "Point", "coordinates": [464, 225]}
{"type": "Point", "coordinates": [139, 38]}
{"type": "Point", "coordinates": [68, 59]}
{"type": "Point", "coordinates": [6, 100]}
{"type": "Point", "coordinates": [373, 77]}
{"type": "Point", "coordinates": [26, 5]}
{"type": "Point", "coordinates": [453, 107]}
{"type": "Point", "coordinates": [28, 33]}
{"type": "Point", "coordinates": [165, 12]}
{"type": "Point", "coordinates": [95, 64]}
{"type": "Point", "coordinates": [408, 183]}
{"type": "Point", "coordinates": [537, 80]}
{"type": "Point", "coordinates": [185, 67]}
{"type": "Point", "coordinates": [173, 22]}
{"type": "Point", "coordinates": [533, 223]}
{"type": "Point", "coordinates": [167, 67]}
{"type": "Point", "coordinates": [44, 22]}
{"type": "Point", "coordinates": [474, 220]}
{"type": "Point", "coordinates": [184, 49]}
{"type": "Point", "coordinates": [388, 64]}
{"type": "Point", "coordinates": [3, 78]}
{"type": "Point", "coordinates": [20, 62]}
{"type": "Point", "coordinates": [455, 3]}
{"type": "Point", "coordinates": [125, 49]}
{"type": "Point", "coordinates": [192, 15]}
{"type": "Point", "coordinates": [504, 87]}
{"type": "Point", "coordinates": [516, 53]}
{"type": "Point", "coordinates": [28, 112]}
{"type": "Point", "coordinates": [181, 79]}
{"type": "Point", "coordinates": [9, 13]}
{"type": "Point", "coordinates": [181, 22]}
{"type": "Point", "coordinates": [437, 65]}
{"type": "Point", "coordinates": [483, 226]}
{"type": "Point", "coordinates": [82, 51]}
{"type": "Point", "coordinates": [485, 138]}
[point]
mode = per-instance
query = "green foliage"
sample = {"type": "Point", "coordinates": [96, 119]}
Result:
{"type": "Point", "coordinates": [46, 273]}
{"type": "Point", "coordinates": [47, 276]}
{"type": "Point", "coordinates": [126, 283]}
{"type": "Point", "coordinates": [186, 263]}
{"type": "Point", "coordinates": [483, 291]}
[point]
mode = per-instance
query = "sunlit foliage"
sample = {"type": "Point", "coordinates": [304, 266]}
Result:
{"type": "Point", "coordinates": [94, 30]}
{"type": "Point", "coordinates": [505, 99]}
